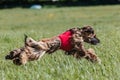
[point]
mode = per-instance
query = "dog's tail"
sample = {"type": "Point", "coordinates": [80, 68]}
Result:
{"type": "Point", "coordinates": [25, 37]}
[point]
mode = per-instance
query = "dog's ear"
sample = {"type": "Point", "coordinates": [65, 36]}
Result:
{"type": "Point", "coordinates": [88, 29]}
{"type": "Point", "coordinates": [29, 41]}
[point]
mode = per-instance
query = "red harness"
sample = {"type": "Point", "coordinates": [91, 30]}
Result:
{"type": "Point", "coordinates": [65, 40]}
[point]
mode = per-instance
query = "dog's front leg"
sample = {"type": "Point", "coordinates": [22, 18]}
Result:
{"type": "Point", "coordinates": [81, 51]}
{"type": "Point", "coordinates": [92, 56]}
{"type": "Point", "coordinates": [89, 54]}
{"type": "Point", "coordinates": [77, 42]}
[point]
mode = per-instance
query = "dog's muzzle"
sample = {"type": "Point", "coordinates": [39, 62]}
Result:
{"type": "Point", "coordinates": [94, 41]}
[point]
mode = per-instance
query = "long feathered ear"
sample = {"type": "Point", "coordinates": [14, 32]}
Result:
{"type": "Point", "coordinates": [88, 29]}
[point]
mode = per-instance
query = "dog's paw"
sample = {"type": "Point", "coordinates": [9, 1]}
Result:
{"type": "Point", "coordinates": [92, 56]}
{"type": "Point", "coordinates": [98, 60]}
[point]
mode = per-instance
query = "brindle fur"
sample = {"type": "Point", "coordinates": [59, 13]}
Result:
{"type": "Point", "coordinates": [34, 50]}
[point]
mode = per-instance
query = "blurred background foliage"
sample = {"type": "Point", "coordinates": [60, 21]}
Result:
{"type": "Point", "coordinates": [58, 3]}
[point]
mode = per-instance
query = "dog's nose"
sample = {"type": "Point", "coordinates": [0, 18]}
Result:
{"type": "Point", "coordinates": [95, 41]}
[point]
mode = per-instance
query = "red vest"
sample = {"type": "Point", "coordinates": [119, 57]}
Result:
{"type": "Point", "coordinates": [65, 40]}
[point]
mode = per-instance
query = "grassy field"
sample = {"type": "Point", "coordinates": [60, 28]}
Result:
{"type": "Point", "coordinates": [48, 22]}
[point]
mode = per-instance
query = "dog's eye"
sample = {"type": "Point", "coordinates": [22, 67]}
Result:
{"type": "Point", "coordinates": [90, 31]}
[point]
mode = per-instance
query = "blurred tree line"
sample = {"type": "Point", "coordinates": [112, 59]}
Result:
{"type": "Point", "coordinates": [27, 3]}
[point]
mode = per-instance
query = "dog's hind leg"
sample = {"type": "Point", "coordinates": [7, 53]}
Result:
{"type": "Point", "coordinates": [42, 54]}
{"type": "Point", "coordinates": [35, 44]}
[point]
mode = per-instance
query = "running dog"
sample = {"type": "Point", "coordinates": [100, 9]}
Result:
{"type": "Point", "coordinates": [71, 41]}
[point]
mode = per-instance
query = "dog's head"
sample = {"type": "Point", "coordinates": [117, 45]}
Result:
{"type": "Point", "coordinates": [89, 35]}
{"type": "Point", "coordinates": [29, 52]}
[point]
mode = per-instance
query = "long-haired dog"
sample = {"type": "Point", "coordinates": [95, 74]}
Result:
{"type": "Point", "coordinates": [71, 41]}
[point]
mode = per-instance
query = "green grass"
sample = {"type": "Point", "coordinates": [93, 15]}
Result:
{"type": "Point", "coordinates": [48, 22]}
